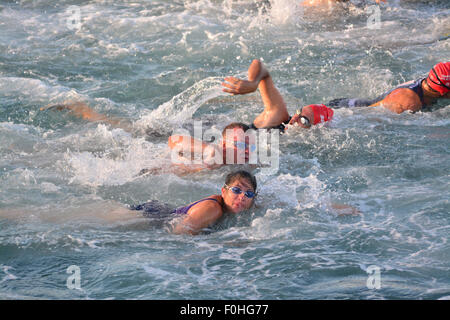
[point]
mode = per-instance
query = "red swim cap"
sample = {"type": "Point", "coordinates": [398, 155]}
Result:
{"type": "Point", "coordinates": [439, 78]}
{"type": "Point", "coordinates": [321, 113]}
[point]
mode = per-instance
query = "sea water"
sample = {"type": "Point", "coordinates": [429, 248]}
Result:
{"type": "Point", "coordinates": [159, 65]}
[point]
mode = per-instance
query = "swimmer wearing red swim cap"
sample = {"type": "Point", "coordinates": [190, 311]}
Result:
{"type": "Point", "coordinates": [439, 78]}
{"type": "Point", "coordinates": [411, 96]}
{"type": "Point", "coordinates": [312, 115]}
{"type": "Point", "coordinates": [275, 114]}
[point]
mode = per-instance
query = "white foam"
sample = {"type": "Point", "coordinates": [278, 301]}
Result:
{"type": "Point", "coordinates": [285, 12]}
{"type": "Point", "coordinates": [36, 90]}
{"type": "Point", "coordinates": [93, 170]}
{"type": "Point", "coordinates": [9, 275]}
{"type": "Point", "coordinates": [182, 106]}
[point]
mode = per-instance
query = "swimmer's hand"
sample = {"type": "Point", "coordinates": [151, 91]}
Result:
{"type": "Point", "coordinates": [238, 86]}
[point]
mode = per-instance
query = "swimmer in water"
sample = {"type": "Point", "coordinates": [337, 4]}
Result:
{"type": "Point", "coordinates": [275, 114]}
{"type": "Point", "coordinates": [411, 96]}
{"type": "Point", "coordinates": [238, 194]}
{"type": "Point", "coordinates": [234, 147]}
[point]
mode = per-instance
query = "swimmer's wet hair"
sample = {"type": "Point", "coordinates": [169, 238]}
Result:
{"type": "Point", "coordinates": [241, 174]}
{"type": "Point", "coordinates": [233, 125]}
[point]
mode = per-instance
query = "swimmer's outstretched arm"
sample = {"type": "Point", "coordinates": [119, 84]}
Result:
{"type": "Point", "coordinates": [186, 144]}
{"type": "Point", "coordinates": [186, 149]}
{"type": "Point", "coordinates": [256, 73]}
{"type": "Point", "coordinates": [275, 110]}
{"type": "Point", "coordinates": [82, 110]}
{"type": "Point", "coordinates": [186, 152]}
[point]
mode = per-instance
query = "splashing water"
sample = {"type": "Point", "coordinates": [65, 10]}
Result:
{"type": "Point", "coordinates": [65, 183]}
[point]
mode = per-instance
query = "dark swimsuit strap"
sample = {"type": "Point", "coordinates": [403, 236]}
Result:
{"type": "Point", "coordinates": [280, 127]}
{"type": "Point", "coordinates": [419, 91]}
{"type": "Point", "coordinates": [416, 86]}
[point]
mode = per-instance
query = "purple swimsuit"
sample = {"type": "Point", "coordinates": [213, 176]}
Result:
{"type": "Point", "coordinates": [154, 207]}
{"type": "Point", "coordinates": [184, 210]}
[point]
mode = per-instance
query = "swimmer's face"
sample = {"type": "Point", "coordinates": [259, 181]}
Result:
{"type": "Point", "coordinates": [236, 146]}
{"type": "Point", "coordinates": [430, 91]}
{"type": "Point", "coordinates": [297, 120]}
{"type": "Point", "coordinates": [237, 202]}
{"type": "Point", "coordinates": [307, 113]}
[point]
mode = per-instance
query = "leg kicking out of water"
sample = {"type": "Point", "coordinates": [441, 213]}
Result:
{"type": "Point", "coordinates": [82, 110]}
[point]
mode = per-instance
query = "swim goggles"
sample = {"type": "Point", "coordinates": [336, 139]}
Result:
{"type": "Point", "coordinates": [243, 146]}
{"type": "Point", "coordinates": [440, 81]}
{"type": "Point", "coordinates": [236, 190]}
{"type": "Point", "coordinates": [304, 120]}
